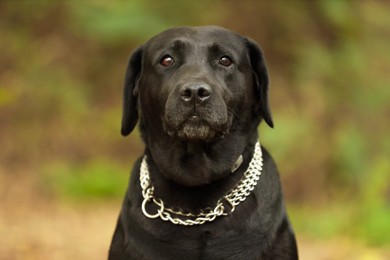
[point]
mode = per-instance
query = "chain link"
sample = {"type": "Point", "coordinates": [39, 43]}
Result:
{"type": "Point", "coordinates": [225, 206]}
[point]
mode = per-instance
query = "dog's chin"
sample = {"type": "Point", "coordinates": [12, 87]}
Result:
{"type": "Point", "coordinates": [196, 131]}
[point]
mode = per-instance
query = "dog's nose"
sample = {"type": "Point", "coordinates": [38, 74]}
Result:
{"type": "Point", "coordinates": [195, 92]}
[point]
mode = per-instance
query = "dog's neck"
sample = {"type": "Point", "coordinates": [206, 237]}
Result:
{"type": "Point", "coordinates": [223, 207]}
{"type": "Point", "coordinates": [193, 197]}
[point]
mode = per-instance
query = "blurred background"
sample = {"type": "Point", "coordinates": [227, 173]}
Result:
{"type": "Point", "coordinates": [64, 165]}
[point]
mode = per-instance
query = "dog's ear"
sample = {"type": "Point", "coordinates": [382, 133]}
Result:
{"type": "Point", "coordinates": [261, 79]}
{"type": "Point", "coordinates": [130, 95]}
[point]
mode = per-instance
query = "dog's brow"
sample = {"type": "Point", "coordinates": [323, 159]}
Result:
{"type": "Point", "coordinates": [216, 48]}
{"type": "Point", "coordinates": [177, 44]}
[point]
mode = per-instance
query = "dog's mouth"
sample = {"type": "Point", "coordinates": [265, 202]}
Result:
{"type": "Point", "coordinates": [196, 129]}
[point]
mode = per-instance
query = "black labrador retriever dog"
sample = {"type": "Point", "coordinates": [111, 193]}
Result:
{"type": "Point", "coordinates": [204, 188]}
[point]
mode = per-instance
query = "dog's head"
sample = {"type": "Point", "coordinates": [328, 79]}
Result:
{"type": "Point", "coordinates": [196, 84]}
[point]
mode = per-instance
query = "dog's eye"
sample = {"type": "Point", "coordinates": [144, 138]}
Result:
{"type": "Point", "coordinates": [167, 61]}
{"type": "Point", "coordinates": [225, 61]}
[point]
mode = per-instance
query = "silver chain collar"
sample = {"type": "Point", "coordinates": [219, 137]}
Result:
{"type": "Point", "coordinates": [232, 199]}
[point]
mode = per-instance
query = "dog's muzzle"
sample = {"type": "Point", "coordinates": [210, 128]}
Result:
{"type": "Point", "coordinates": [196, 113]}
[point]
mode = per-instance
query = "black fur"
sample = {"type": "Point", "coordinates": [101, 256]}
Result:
{"type": "Point", "coordinates": [192, 140]}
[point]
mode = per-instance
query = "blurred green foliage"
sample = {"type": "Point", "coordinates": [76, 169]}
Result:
{"type": "Point", "coordinates": [61, 70]}
{"type": "Point", "coordinates": [96, 179]}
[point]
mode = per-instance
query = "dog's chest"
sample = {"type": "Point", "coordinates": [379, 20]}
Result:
{"type": "Point", "coordinates": [197, 243]}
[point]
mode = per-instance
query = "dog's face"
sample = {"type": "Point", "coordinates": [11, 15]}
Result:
{"type": "Point", "coordinates": [193, 83]}
{"type": "Point", "coordinates": [201, 82]}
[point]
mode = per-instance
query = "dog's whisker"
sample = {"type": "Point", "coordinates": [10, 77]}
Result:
{"type": "Point", "coordinates": [233, 112]}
